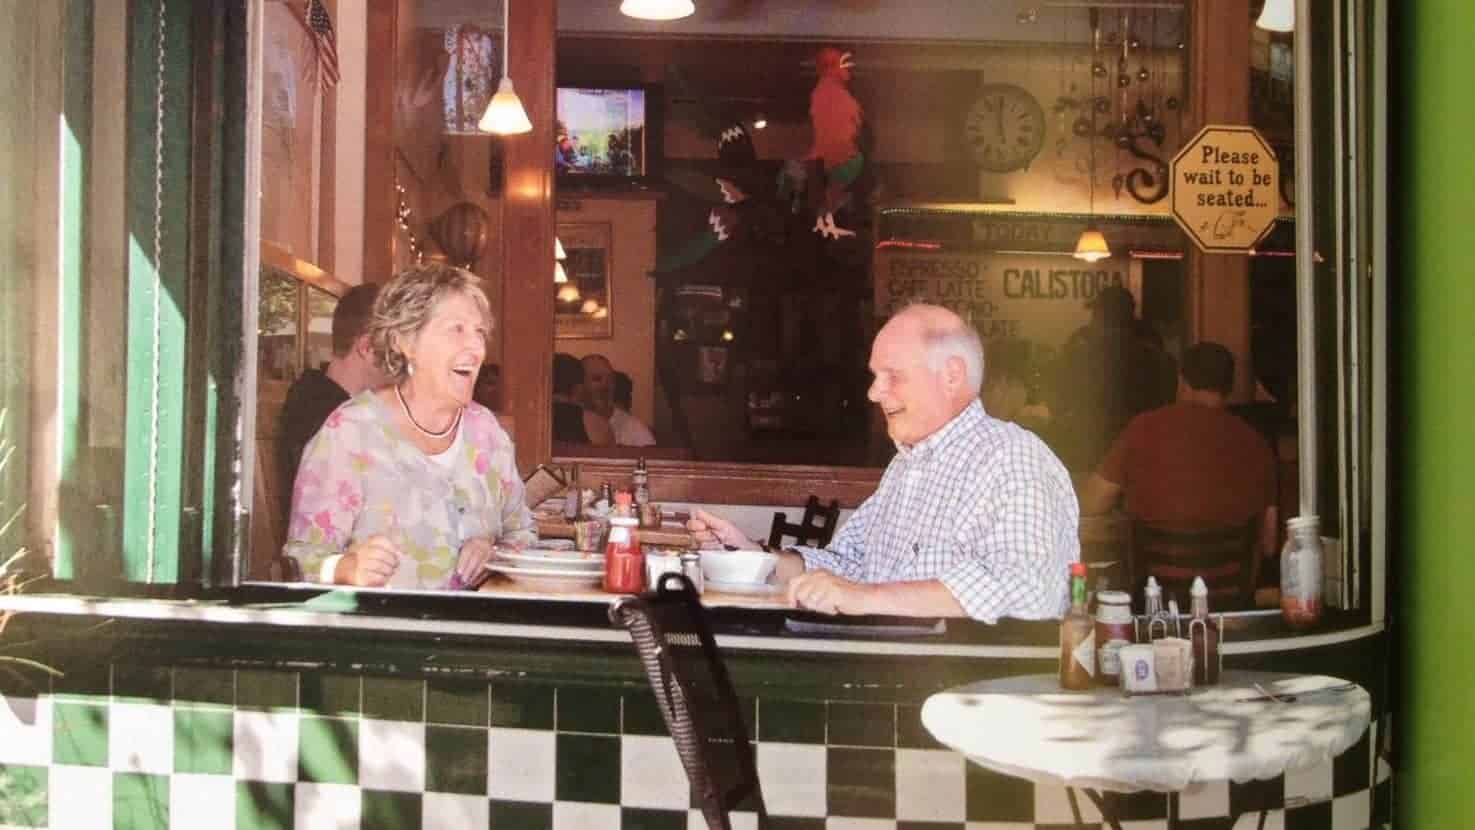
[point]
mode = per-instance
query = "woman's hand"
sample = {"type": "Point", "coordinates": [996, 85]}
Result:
{"type": "Point", "coordinates": [369, 564]}
{"type": "Point", "coordinates": [715, 531]}
{"type": "Point", "coordinates": [472, 559]}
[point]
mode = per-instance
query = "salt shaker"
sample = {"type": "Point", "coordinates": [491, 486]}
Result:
{"type": "Point", "coordinates": [691, 568]}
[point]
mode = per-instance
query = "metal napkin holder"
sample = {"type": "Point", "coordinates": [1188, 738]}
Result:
{"type": "Point", "coordinates": [1165, 624]}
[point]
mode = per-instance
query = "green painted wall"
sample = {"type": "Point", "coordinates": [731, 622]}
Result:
{"type": "Point", "coordinates": [1434, 276]}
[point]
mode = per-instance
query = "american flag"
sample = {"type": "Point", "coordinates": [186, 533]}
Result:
{"type": "Point", "coordinates": [321, 27]}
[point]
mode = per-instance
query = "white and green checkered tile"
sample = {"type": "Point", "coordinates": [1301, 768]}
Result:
{"type": "Point", "coordinates": [219, 749]}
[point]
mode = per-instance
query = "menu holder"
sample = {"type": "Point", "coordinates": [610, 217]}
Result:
{"type": "Point", "coordinates": [669, 535]}
{"type": "Point", "coordinates": [541, 484]}
{"type": "Point", "coordinates": [870, 626]}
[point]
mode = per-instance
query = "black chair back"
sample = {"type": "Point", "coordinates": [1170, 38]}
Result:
{"type": "Point", "coordinates": [816, 528]}
{"type": "Point", "coordinates": [1226, 557]}
{"type": "Point", "coordinates": [695, 696]}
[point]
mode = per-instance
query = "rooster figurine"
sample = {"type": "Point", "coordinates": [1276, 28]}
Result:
{"type": "Point", "coordinates": [835, 118]}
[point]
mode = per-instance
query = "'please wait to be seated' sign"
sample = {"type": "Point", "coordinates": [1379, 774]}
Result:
{"type": "Point", "coordinates": [1226, 188]}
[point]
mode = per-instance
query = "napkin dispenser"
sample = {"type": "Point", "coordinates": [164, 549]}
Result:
{"type": "Point", "coordinates": [1164, 665]}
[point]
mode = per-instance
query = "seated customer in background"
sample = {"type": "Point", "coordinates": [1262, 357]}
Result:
{"type": "Point", "coordinates": [598, 395]}
{"type": "Point", "coordinates": [1191, 462]}
{"type": "Point", "coordinates": [572, 423]}
{"type": "Point", "coordinates": [973, 517]}
{"type": "Point", "coordinates": [412, 484]}
{"type": "Point", "coordinates": [630, 431]}
{"type": "Point", "coordinates": [318, 392]}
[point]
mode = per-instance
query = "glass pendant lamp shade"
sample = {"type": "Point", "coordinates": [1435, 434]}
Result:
{"type": "Point", "coordinates": [558, 252]}
{"type": "Point", "coordinates": [559, 275]}
{"type": "Point", "coordinates": [657, 9]}
{"type": "Point", "coordinates": [505, 115]}
{"type": "Point", "coordinates": [1278, 16]}
{"type": "Point", "coordinates": [569, 293]}
{"type": "Point", "coordinates": [1091, 247]}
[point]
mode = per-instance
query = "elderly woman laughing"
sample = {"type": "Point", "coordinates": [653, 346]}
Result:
{"type": "Point", "coordinates": [412, 484]}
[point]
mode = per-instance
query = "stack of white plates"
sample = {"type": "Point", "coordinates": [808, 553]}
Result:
{"type": "Point", "coordinates": [553, 570]}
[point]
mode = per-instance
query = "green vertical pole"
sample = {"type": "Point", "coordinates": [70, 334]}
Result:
{"type": "Point", "coordinates": [158, 281]}
{"type": "Point", "coordinates": [76, 133]}
{"type": "Point", "coordinates": [1435, 470]}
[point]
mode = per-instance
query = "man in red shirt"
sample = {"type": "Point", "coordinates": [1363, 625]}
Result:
{"type": "Point", "coordinates": [1192, 462]}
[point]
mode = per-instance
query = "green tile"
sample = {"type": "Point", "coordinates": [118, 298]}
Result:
{"type": "Point", "coordinates": [79, 734]}
{"type": "Point", "coordinates": [632, 818]}
{"type": "Point", "coordinates": [23, 796]}
{"type": "Point", "coordinates": [522, 706]}
{"type": "Point", "coordinates": [861, 724]}
{"type": "Point", "coordinates": [328, 750]}
{"type": "Point", "coordinates": [860, 782]}
{"type": "Point", "coordinates": [458, 701]}
{"type": "Point", "coordinates": [266, 689]}
{"type": "Point", "coordinates": [521, 815]}
{"type": "Point", "coordinates": [394, 698]}
{"type": "Point", "coordinates": [995, 797]}
{"type": "Point", "coordinates": [203, 740]}
{"type": "Point", "coordinates": [910, 733]}
{"type": "Point", "coordinates": [456, 759]}
{"type": "Point", "coordinates": [83, 679]}
{"type": "Point", "coordinates": [145, 684]}
{"type": "Point", "coordinates": [264, 805]}
{"type": "Point", "coordinates": [331, 694]}
{"type": "Point", "coordinates": [216, 686]}
{"type": "Point", "coordinates": [140, 801]}
{"type": "Point", "coordinates": [588, 709]}
{"type": "Point", "coordinates": [390, 811]}
{"type": "Point", "coordinates": [642, 715]}
{"type": "Point", "coordinates": [588, 768]}
{"type": "Point", "coordinates": [791, 721]}
{"type": "Point", "coordinates": [795, 823]}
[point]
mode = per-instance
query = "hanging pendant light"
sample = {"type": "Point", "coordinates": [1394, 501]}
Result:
{"type": "Point", "coordinates": [558, 252]}
{"type": "Point", "coordinates": [1278, 16]}
{"type": "Point", "coordinates": [505, 115]}
{"type": "Point", "coordinates": [1092, 246]}
{"type": "Point", "coordinates": [569, 293]}
{"type": "Point", "coordinates": [559, 275]}
{"type": "Point", "coordinates": [657, 9]}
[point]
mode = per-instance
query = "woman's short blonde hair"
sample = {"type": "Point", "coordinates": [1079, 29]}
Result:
{"type": "Point", "coordinates": [405, 305]}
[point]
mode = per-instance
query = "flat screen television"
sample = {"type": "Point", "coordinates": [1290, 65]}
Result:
{"type": "Point", "coordinates": [607, 135]}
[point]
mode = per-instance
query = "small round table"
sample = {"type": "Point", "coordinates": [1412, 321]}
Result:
{"type": "Point", "coordinates": [1252, 725]}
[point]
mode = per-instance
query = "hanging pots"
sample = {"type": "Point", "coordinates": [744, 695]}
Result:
{"type": "Point", "coordinates": [462, 233]}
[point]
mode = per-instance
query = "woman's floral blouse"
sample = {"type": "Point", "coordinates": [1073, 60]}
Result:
{"type": "Point", "coordinates": [359, 478]}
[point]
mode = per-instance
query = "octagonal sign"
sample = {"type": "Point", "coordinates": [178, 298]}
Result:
{"type": "Point", "coordinates": [1226, 188]}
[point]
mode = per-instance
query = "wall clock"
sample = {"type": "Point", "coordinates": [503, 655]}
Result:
{"type": "Point", "coordinates": [1005, 128]}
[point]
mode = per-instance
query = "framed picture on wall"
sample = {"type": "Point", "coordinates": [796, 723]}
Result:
{"type": "Point", "coordinates": [582, 303]}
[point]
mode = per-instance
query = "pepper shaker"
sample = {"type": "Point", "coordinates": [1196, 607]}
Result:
{"type": "Point", "coordinates": [691, 568]}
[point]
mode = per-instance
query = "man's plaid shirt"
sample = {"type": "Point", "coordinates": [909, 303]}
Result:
{"type": "Point", "coordinates": [982, 505]}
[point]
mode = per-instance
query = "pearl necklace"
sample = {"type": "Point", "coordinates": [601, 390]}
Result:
{"type": "Point", "coordinates": [408, 414]}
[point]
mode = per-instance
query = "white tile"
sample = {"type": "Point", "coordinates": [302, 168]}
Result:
{"type": "Point", "coordinates": [448, 811]}
{"type": "Point", "coordinates": [651, 774]}
{"type": "Point", "coordinates": [265, 746]}
{"type": "Point", "coordinates": [740, 820]}
{"type": "Point", "coordinates": [1206, 800]}
{"type": "Point", "coordinates": [579, 815]}
{"type": "Point", "coordinates": [930, 785]}
{"type": "Point", "coordinates": [1352, 812]}
{"type": "Point", "coordinates": [1052, 806]}
{"type": "Point", "coordinates": [1309, 785]}
{"type": "Point", "coordinates": [200, 800]}
{"type": "Point", "coordinates": [521, 764]}
{"type": "Point", "coordinates": [25, 730]}
{"type": "Point", "coordinates": [1274, 820]}
{"type": "Point", "coordinates": [793, 778]}
{"type": "Point", "coordinates": [326, 806]}
{"type": "Point", "coordinates": [391, 755]}
{"type": "Point", "coordinates": [81, 798]}
{"type": "Point", "coordinates": [847, 823]}
{"type": "Point", "coordinates": [141, 738]}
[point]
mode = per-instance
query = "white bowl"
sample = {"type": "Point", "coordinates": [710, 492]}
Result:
{"type": "Point", "coordinates": [738, 566]}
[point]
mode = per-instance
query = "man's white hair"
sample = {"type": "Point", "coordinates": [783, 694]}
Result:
{"type": "Point", "coordinates": [945, 335]}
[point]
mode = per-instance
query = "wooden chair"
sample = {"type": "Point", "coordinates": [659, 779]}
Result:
{"type": "Point", "coordinates": [695, 696]}
{"type": "Point", "coordinates": [816, 528]}
{"type": "Point", "coordinates": [1228, 558]}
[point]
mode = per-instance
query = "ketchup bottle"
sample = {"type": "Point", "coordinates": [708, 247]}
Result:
{"type": "Point", "coordinates": [624, 562]}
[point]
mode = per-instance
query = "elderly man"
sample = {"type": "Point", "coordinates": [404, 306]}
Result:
{"type": "Point", "coordinates": [973, 517]}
